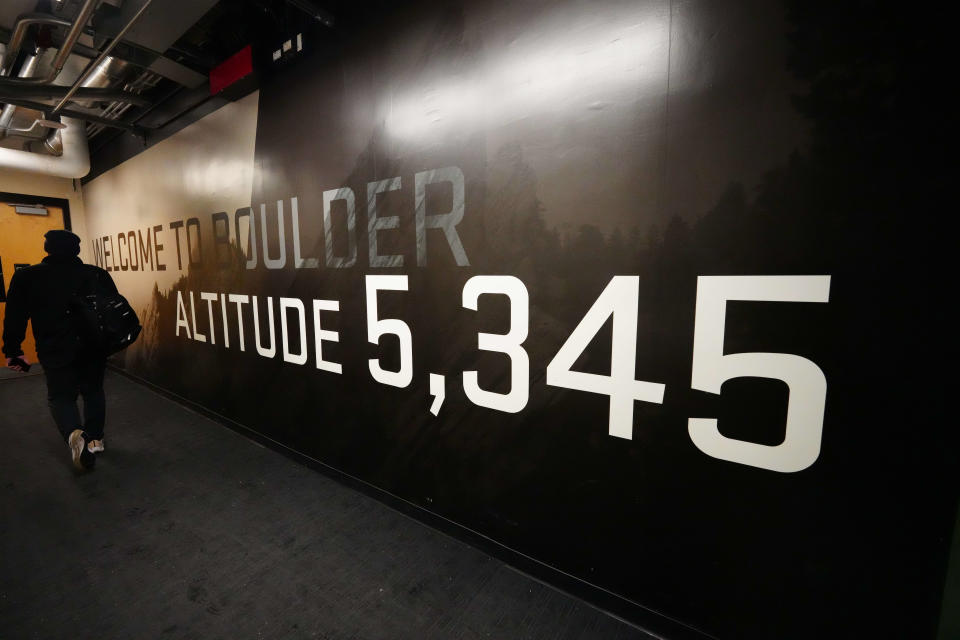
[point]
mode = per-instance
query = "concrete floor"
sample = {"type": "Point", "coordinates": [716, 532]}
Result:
{"type": "Point", "coordinates": [189, 530]}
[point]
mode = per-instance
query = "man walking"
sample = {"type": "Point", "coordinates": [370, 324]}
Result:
{"type": "Point", "coordinates": [44, 294]}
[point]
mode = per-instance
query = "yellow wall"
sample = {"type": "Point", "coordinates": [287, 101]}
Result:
{"type": "Point", "coordinates": [21, 242]}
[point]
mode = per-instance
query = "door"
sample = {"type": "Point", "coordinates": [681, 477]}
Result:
{"type": "Point", "coordinates": [22, 225]}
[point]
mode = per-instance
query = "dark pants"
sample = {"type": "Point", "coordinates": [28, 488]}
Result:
{"type": "Point", "coordinates": [84, 377]}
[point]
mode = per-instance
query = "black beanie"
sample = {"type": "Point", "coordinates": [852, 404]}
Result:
{"type": "Point", "coordinates": [60, 242]}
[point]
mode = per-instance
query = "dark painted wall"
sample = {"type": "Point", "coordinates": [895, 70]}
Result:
{"type": "Point", "coordinates": [577, 161]}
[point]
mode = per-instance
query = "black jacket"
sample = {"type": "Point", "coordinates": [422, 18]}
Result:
{"type": "Point", "coordinates": [42, 293]}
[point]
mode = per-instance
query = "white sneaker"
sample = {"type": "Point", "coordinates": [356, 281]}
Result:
{"type": "Point", "coordinates": [80, 453]}
{"type": "Point", "coordinates": [95, 446]}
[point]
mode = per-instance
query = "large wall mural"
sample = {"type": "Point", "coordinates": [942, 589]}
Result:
{"type": "Point", "coordinates": [595, 280]}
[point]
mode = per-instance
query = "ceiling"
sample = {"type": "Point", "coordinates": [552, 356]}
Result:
{"type": "Point", "coordinates": [156, 78]}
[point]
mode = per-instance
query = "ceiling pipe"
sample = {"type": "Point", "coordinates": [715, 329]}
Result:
{"type": "Point", "coordinates": [84, 94]}
{"type": "Point", "coordinates": [92, 66]}
{"type": "Point", "coordinates": [6, 117]}
{"type": "Point", "coordinates": [94, 88]}
{"type": "Point", "coordinates": [29, 19]}
{"type": "Point", "coordinates": [78, 115]}
{"type": "Point", "coordinates": [52, 144]}
{"type": "Point", "coordinates": [19, 34]}
{"type": "Point", "coordinates": [74, 163]}
{"type": "Point", "coordinates": [115, 110]}
{"type": "Point", "coordinates": [106, 75]}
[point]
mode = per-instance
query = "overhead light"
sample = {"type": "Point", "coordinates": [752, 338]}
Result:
{"type": "Point", "coordinates": [31, 209]}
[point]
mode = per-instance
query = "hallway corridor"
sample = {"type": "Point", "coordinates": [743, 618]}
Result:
{"type": "Point", "coordinates": [187, 529]}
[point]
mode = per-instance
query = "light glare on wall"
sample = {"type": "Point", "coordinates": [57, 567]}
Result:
{"type": "Point", "coordinates": [556, 71]}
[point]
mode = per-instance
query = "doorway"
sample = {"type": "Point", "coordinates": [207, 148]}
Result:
{"type": "Point", "coordinates": [23, 221]}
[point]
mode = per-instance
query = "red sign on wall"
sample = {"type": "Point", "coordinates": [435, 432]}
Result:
{"type": "Point", "coordinates": [237, 66]}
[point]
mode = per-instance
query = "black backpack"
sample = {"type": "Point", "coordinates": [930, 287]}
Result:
{"type": "Point", "coordinates": [104, 320]}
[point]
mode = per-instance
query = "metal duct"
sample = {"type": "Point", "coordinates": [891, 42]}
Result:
{"type": "Point", "coordinates": [29, 64]}
{"type": "Point", "coordinates": [19, 33]}
{"type": "Point", "coordinates": [79, 115]}
{"type": "Point", "coordinates": [52, 144]}
{"type": "Point", "coordinates": [86, 97]}
{"type": "Point", "coordinates": [103, 75]}
{"type": "Point", "coordinates": [73, 160]}
{"type": "Point", "coordinates": [74, 163]}
{"type": "Point", "coordinates": [100, 64]}
{"type": "Point", "coordinates": [109, 72]}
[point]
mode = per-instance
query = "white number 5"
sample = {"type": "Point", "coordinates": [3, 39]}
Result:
{"type": "Point", "coordinates": [377, 327]}
{"type": "Point", "coordinates": [711, 368]}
